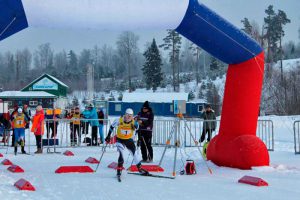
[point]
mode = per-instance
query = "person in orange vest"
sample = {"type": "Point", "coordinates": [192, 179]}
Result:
{"type": "Point", "coordinates": [76, 127]}
{"type": "Point", "coordinates": [19, 123]}
{"type": "Point", "coordinates": [38, 127]}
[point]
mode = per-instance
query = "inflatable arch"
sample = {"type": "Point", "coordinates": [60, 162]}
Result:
{"type": "Point", "coordinates": [236, 145]}
{"type": "Point", "coordinates": [12, 18]}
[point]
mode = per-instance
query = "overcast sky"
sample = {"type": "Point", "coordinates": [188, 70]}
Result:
{"type": "Point", "coordinates": [78, 24]}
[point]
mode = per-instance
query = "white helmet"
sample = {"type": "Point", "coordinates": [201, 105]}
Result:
{"type": "Point", "coordinates": [129, 111]}
{"type": "Point", "coordinates": [20, 110]}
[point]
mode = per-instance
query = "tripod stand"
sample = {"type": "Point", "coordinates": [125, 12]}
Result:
{"type": "Point", "coordinates": [176, 132]}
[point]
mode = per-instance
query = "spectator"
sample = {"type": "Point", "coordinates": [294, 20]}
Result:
{"type": "Point", "coordinates": [38, 128]}
{"type": "Point", "coordinates": [101, 124]}
{"type": "Point", "coordinates": [69, 116]}
{"type": "Point", "coordinates": [76, 127]}
{"type": "Point", "coordinates": [145, 118]}
{"type": "Point", "coordinates": [93, 119]}
{"type": "Point", "coordinates": [85, 123]}
{"type": "Point", "coordinates": [27, 113]}
{"type": "Point", "coordinates": [4, 122]}
{"type": "Point", "coordinates": [209, 124]}
{"type": "Point", "coordinates": [51, 123]}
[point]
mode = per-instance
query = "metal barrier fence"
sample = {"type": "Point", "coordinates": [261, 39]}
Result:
{"type": "Point", "coordinates": [265, 131]}
{"type": "Point", "coordinates": [190, 129]}
{"type": "Point", "coordinates": [297, 136]}
{"type": "Point", "coordinates": [187, 129]}
{"type": "Point", "coordinates": [70, 134]}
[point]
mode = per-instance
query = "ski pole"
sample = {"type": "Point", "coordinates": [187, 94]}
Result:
{"type": "Point", "coordinates": [137, 152]}
{"type": "Point", "coordinates": [8, 141]}
{"type": "Point", "coordinates": [101, 156]}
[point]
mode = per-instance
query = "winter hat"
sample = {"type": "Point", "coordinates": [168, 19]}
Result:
{"type": "Point", "coordinates": [207, 106]}
{"type": "Point", "coordinates": [146, 104]}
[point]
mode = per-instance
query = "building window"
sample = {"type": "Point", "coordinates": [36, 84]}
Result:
{"type": "Point", "coordinates": [200, 107]}
{"type": "Point", "coordinates": [33, 103]}
{"type": "Point", "coordinates": [171, 108]}
{"type": "Point", "coordinates": [9, 103]}
{"type": "Point", "coordinates": [118, 108]}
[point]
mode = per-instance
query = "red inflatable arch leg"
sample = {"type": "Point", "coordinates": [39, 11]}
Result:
{"type": "Point", "coordinates": [236, 145]}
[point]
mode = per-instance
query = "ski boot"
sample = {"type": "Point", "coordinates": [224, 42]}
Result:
{"type": "Point", "coordinates": [23, 150]}
{"type": "Point", "coordinates": [119, 172]}
{"type": "Point", "coordinates": [141, 170]}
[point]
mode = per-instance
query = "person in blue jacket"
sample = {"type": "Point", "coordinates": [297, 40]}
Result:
{"type": "Point", "coordinates": [93, 119]}
{"type": "Point", "coordinates": [85, 123]}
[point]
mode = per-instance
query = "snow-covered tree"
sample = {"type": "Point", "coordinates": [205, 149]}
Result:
{"type": "Point", "coordinates": [152, 67]}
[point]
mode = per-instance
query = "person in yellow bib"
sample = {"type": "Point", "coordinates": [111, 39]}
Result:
{"type": "Point", "coordinates": [125, 132]}
{"type": "Point", "coordinates": [19, 122]}
{"type": "Point", "coordinates": [76, 127]}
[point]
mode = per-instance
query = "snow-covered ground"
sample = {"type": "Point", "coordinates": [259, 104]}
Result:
{"type": "Point", "coordinates": [283, 175]}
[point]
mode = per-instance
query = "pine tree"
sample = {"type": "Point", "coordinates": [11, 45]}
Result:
{"type": "Point", "coordinates": [172, 42]}
{"type": "Point", "coordinates": [152, 67]}
{"type": "Point", "coordinates": [247, 26]}
{"type": "Point", "coordinates": [72, 64]}
{"type": "Point", "coordinates": [214, 64]}
{"type": "Point", "coordinates": [270, 36]}
{"type": "Point", "coordinates": [213, 97]}
{"type": "Point", "coordinates": [120, 97]}
{"type": "Point", "coordinates": [191, 96]}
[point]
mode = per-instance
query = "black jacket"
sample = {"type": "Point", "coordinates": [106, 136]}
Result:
{"type": "Point", "coordinates": [147, 120]}
{"type": "Point", "coordinates": [4, 122]}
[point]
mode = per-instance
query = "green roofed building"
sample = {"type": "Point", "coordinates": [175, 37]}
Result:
{"type": "Point", "coordinates": [46, 89]}
{"type": "Point", "coordinates": [47, 83]}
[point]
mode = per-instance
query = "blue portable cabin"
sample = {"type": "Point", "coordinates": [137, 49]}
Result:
{"type": "Point", "coordinates": [161, 106]}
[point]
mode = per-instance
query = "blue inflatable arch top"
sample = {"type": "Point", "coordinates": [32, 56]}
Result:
{"type": "Point", "coordinates": [216, 35]}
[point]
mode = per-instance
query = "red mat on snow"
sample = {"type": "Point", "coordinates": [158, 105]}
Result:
{"type": "Point", "coordinates": [1, 155]}
{"type": "Point", "coordinates": [6, 162]}
{"type": "Point", "coordinates": [15, 169]}
{"type": "Point", "coordinates": [22, 184]}
{"type": "Point", "coordinates": [68, 153]}
{"type": "Point", "coordinates": [74, 169]}
{"type": "Point", "coordinates": [251, 180]}
{"type": "Point", "coordinates": [92, 160]}
{"type": "Point", "coordinates": [149, 168]}
{"type": "Point", "coordinates": [114, 165]}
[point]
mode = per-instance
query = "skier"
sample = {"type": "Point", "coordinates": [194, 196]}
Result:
{"type": "Point", "coordinates": [125, 131]}
{"type": "Point", "coordinates": [145, 118]}
{"type": "Point", "coordinates": [19, 122]}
